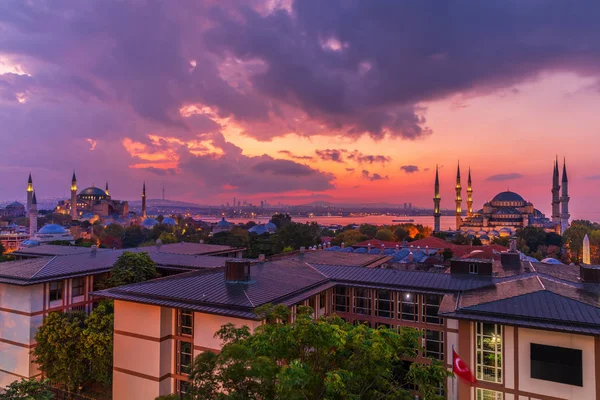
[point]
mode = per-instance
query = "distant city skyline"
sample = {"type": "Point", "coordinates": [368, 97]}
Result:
{"type": "Point", "coordinates": [213, 107]}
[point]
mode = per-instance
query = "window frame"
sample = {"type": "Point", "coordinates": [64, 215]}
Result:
{"type": "Point", "coordinates": [345, 296]}
{"type": "Point", "coordinates": [81, 288]}
{"type": "Point", "coordinates": [57, 291]}
{"type": "Point", "coordinates": [411, 300]}
{"type": "Point", "coordinates": [390, 301]}
{"type": "Point", "coordinates": [431, 318]}
{"type": "Point", "coordinates": [182, 330]}
{"type": "Point", "coordinates": [362, 309]}
{"type": "Point", "coordinates": [481, 352]}
{"type": "Point", "coordinates": [180, 369]}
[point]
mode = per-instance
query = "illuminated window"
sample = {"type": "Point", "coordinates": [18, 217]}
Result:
{"type": "Point", "coordinates": [184, 357]}
{"type": "Point", "coordinates": [408, 306]}
{"type": "Point", "coordinates": [185, 322]}
{"type": "Point", "coordinates": [341, 299]}
{"type": "Point", "coordinates": [55, 291]}
{"type": "Point", "coordinates": [77, 286]}
{"type": "Point", "coordinates": [362, 301]}
{"type": "Point", "coordinates": [431, 305]}
{"type": "Point", "coordinates": [489, 352]}
{"type": "Point", "coordinates": [434, 344]}
{"type": "Point", "coordinates": [485, 394]}
{"type": "Point", "coordinates": [384, 304]}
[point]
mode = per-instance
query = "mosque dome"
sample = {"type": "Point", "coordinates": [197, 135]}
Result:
{"type": "Point", "coordinates": [15, 204]}
{"type": "Point", "coordinates": [258, 229]}
{"type": "Point", "coordinates": [271, 227]}
{"type": "Point", "coordinates": [550, 260]}
{"type": "Point", "coordinates": [92, 191]}
{"type": "Point", "coordinates": [508, 196]}
{"type": "Point", "coordinates": [149, 223]}
{"type": "Point", "coordinates": [169, 221]}
{"type": "Point", "coordinates": [223, 223]}
{"type": "Point", "coordinates": [52, 229]}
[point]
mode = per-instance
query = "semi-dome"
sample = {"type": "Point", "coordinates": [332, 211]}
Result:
{"type": "Point", "coordinates": [92, 191]}
{"type": "Point", "coordinates": [508, 196]}
{"type": "Point", "coordinates": [52, 229]}
{"type": "Point", "coordinates": [149, 223]}
{"type": "Point", "coordinates": [258, 229]}
{"type": "Point", "coordinates": [169, 221]}
{"type": "Point", "coordinates": [271, 227]}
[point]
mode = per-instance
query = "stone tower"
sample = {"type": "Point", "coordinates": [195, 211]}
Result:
{"type": "Point", "coordinates": [564, 201]}
{"type": "Point", "coordinates": [144, 201]}
{"type": "Point", "coordinates": [555, 196]}
{"type": "Point", "coordinates": [469, 196]}
{"type": "Point", "coordinates": [436, 202]}
{"type": "Point", "coordinates": [29, 194]}
{"type": "Point", "coordinates": [33, 216]}
{"type": "Point", "coordinates": [106, 190]}
{"type": "Point", "coordinates": [74, 196]}
{"type": "Point", "coordinates": [458, 199]}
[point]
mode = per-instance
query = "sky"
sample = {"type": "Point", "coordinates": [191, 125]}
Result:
{"type": "Point", "coordinates": [299, 101]}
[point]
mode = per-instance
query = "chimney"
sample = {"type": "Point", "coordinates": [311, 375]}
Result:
{"type": "Point", "coordinates": [237, 271]}
{"type": "Point", "coordinates": [589, 273]}
{"type": "Point", "coordinates": [343, 245]}
{"type": "Point", "coordinates": [328, 245]}
{"type": "Point", "coordinates": [158, 244]}
{"type": "Point", "coordinates": [368, 247]}
{"type": "Point", "coordinates": [261, 258]}
{"type": "Point", "coordinates": [302, 250]}
{"type": "Point", "coordinates": [93, 249]}
{"type": "Point", "coordinates": [397, 247]}
{"type": "Point", "coordinates": [320, 247]}
{"type": "Point", "coordinates": [410, 257]}
{"type": "Point", "coordinates": [512, 245]}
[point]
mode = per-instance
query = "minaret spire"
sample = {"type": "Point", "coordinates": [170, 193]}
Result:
{"type": "Point", "coordinates": [33, 215]}
{"type": "Point", "coordinates": [469, 196]}
{"type": "Point", "coordinates": [564, 201]}
{"type": "Point", "coordinates": [74, 196]}
{"type": "Point", "coordinates": [436, 202]}
{"type": "Point", "coordinates": [106, 190]}
{"type": "Point", "coordinates": [458, 199]}
{"type": "Point", "coordinates": [29, 193]}
{"type": "Point", "coordinates": [556, 196]}
{"type": "Point", "coordinates": [144, 200]}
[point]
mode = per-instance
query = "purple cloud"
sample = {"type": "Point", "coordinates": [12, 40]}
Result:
{"type": "Point", "coordinates": [409, 169]}
{"type": "Point", "coordinates": [504, 177]}
{"type": "Point", "coordinates": [372, 177]}
{"type": "Point", "coordinates": [331, 155]}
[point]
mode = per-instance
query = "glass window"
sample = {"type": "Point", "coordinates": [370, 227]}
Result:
{"type": "Point", "coordinates": [408, 306]}
{"type": "Point", "coordinates": [184, 387]}
{"type": "Point", "coordinates": [431, 305]}
{"type": "Point", "coordinates": [473, 269]}
{"type": "Point", "coordinates": [434, 344]}
{"type": "Point", "coordinates": [362, 301]}
{"type": "Point", "coordinates": [184, 357]}
{"type": "Point", "coordinates": [185, 322]}
{"type": "Point", "coordinates": [77, 285]}
{"type": "Point", "coordinates": [485, 394]}
{"type": "Point", "coordinates": [322, 301]}
{"type": "Point", "coordinates": [55, 291]}
{"type": "Point", "coordinates": [384, 304]}
{"type": "Point", "coordinates": [488, 342]}
{"type": "Point", "coordinates": [341, 299]}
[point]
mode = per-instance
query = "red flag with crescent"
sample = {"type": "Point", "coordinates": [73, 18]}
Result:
{"type": "Point", "coordinates": [461, 369]}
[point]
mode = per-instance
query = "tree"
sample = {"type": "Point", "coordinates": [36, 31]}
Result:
{"type": "Point", "coordinates": [114, 230]}
{"type": "Point", "coordinates": [97, 342]}
{"type": "Point", "coordinates": [167, 238]}
{"type": "Point", "coordinates": [385, 235]}
{"type": "Point", "coordinates": [368, 229]}
{"type": "Point", "coordinates": [2, 249]}
{"type": "Point", "coordinates": [132, 268]}
{"type": "Point", "coordinates": [349, 238]}
{"type": "Point", "coordinates": [532, 237]}
{"type": "Point", "coordinates": [296, 235]}
{"type": "Point", "coordinates": [160, 219]}
{"type": "Point", "coordinates": [312, 359]}
{"type": "Point", "coordinates": [459, 238]}
{"type": "Point", "coordinates": [281, 220]}
{"type": "Point", "coordinates": [133, 236]}
{"type": "Point", "coordinates": [401, 234]}
{"type": "Point", "coordinates": [28, 389]}
{"type": "Point", "coordinates": [476, 242]}
{"type": "Point", "coordinates": [58, 350]}
{"type": "Point", "coordinates": [447, 254]}
{"type": "Point", "coordinates": [501, 240]}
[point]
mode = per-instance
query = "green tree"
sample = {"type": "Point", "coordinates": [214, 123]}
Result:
{"type": "Point", "coordinates": [160, 219]}
{"type": "Point", "coordinates": [2, 249]}
{"type": "Point", "coordinates": [349, 238]}
{"type": "Point", "coordinates": [97, 342]}
{"type": "Point", "coordinates": [501, 240]}
{"type": "Point", "coordinates": [27, 389]}
{"type": "Point", "coordinates": [132, 268]}
{"type": "Point", "coordinates": [133, 236]}
{"type": "Point", "coordinates": [459, 238]}
{"type": "Point", "coordinates": [115, 230]}
{"type": "Point", "coordinates": [59, 351]}
{"type": "Point", "coordinates": [312, 359]}
{"type": "Point", "coordinates": [573, 239]}
{"type": "Point", "coordinates": [401, 234]}
{"type": "Point", "coordinates": [385, 235]}
{"type": "Point", "coordinates": [281, 220]}
{"type": "Point", "coordinates": [296, 235]}
{"type": "Point", "coordinates": [167, 238]}
{"type": "Point", "coordinates": [368, 229]}
{"type": "Point", "coordinates": [532, 237]}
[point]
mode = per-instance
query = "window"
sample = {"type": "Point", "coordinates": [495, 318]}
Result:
{"type": "Point", "coordinates": [489, 352]}
{"type": "Point", "coordinates": [362, 301]}
{"type": "Point", "coordinates": [384, 304]}
{"type": "Point", "coordinates": [408, 306]}
{"type": "Point", "coordinates": [77, 287]}
{"type": "Point", "coordinates": [322, 300]}
{"type": "Point", "coordinates": [557, 364]}
{"type": "Point", "coordinates": [388, 326]}
{"type": "Point", "coordinates": [312, 303]}
{"type": "Point", "coordinates": [183, 387]}
{"type": "Point", "coordinates": [184, 357]}
{"type": "Point", "coordinates": [473, 269]}
{"type": "Point", "coordinates": [431, 305]}
{"type": "Point", "coordinates": [341, 299]}
{"type": "Point", "coordinates": [185, 322]}
{"type": "Point", "coordinates": [434, 344]}
{"type": "Point", "coordinates": [55, 291]}
{"type": "Point", "coordinates": [485, 394]}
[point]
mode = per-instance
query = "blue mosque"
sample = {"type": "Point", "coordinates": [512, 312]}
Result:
{"type": "Point", "coordinates": [507, 211]}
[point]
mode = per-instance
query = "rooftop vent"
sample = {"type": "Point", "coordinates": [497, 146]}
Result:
{"type": "Point", "coordinates": [237, 271]}
{"type": "Point", "coordinates": [589, 273]}
{"type": "Point", "coordinates": [94, 249]}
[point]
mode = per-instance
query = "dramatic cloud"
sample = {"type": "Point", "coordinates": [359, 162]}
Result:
{"type": "Point", "coordinates": [409, 169]}
{"type": "Point", "coordinates": [355, 156]}
{"type": "Point", "coordinates": [294, 156]}
{"type": "Point", "coordinates": [504, 177]}
{"type": "Point", "coordinates": [331, 155]}
{"type": "Point", "coordinates": [361, 158]}
{"type": "Point", "coordinates": [372, 177]}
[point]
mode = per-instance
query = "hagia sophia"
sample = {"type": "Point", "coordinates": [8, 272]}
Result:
{"type": "Point", "coordinates": [507, 211]}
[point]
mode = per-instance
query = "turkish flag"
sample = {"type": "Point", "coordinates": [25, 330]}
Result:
{"type": "Point", "coordinates": [461, 369]}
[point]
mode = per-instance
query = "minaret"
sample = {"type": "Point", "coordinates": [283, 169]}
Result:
{"type": "Point", "coordinates": [555, 196]}
{"type": "Point", "coordinates": [33, 215]}
{"type": "Point", "coordinates": [106, 190]}
{"type": "Point", "coordinates": [144, 201]}
{"type": "Point", "coordinates": [469, 196]}
{"type": "Point", "coordinates": [74, 196]}
{"type": "Point", "coordinates": [586, 250]}
{"type": "Point", "coordinates": [458, 199]}
{"type": "Point", "coordinates": [436, 202]}
{"type": "Point", "coordinates": [29, 193]}
{"type": "Point", "coordinates": [564, 201]}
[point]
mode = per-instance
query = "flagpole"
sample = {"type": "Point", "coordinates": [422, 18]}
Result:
{"type": "Point", "coordinates": [453, 376]}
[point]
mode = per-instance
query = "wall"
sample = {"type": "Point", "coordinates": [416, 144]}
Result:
{"type": "Point", "coordinates": [205, 326]}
